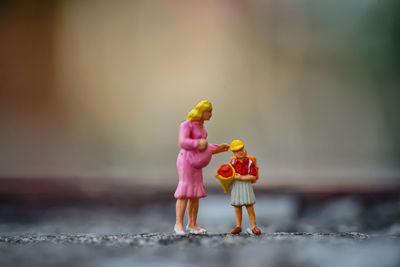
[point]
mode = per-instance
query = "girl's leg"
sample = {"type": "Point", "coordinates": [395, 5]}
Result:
{"type": "Point", "coordinates": [252, 215]}
{"type": "Point", "coordinates": [180, 213]}
{"type": "Point", "coordinates": [238, 213]}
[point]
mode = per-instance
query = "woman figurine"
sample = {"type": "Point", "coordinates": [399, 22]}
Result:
{"type": "Point", "coordinates": [195, 154]}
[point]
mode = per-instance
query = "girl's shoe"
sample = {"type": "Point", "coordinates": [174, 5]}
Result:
{"type": "Point", "coordinates": [193, 231]}
{"type": "Point", "coordinates": [254, 231]}
{"type": "Point", "coordinates": [236, 230]}
{"type": "Point", "coordinates": [178, 232]}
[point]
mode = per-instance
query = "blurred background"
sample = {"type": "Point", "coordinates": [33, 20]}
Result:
{"type": "Point", "coordinates": [97, 89]}
{"type": "Point", "coordinates": [92, 94]}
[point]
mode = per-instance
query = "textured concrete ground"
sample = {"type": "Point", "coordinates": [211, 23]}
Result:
{"type": "Point", "coordinates": [165, 249]}
{"type": "Point", "coordinates": [346, 231]}
{"type": "Point", "coordinates": [163, 239]}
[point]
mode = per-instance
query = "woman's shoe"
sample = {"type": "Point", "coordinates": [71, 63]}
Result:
{"type": "Point", "coordinates": [178, 232]}
{"type": "Point", "coordinates": [193, 231]}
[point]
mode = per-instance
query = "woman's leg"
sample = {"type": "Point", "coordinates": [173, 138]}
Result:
{"type": "Point", "coordinates": [193, 208]}
{"type": "Point", "coordinates": [180, 213]}
{"type": "Point", "coordinates": [195, 211]}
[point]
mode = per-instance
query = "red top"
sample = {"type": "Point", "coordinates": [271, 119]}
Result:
{"type": "Point", "coordinates": [243, 167]}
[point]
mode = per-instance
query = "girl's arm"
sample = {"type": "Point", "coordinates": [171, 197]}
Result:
{"type": "Point", "coordinates": [246, 177]}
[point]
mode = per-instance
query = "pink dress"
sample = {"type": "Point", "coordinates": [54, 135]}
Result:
{"type": "Point", "coordinates": [191, 178]}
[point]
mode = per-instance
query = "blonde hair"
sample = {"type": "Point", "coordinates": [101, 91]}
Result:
{"type": "Point", "coordinates": [197, 112]}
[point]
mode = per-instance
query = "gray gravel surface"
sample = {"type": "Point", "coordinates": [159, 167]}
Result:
{"type": "Point", "coordinates": [343, 232]}
{"type": "Point", "coordinates": [162, 239]}
{"type": "Point", "coordinates": [166, 249]}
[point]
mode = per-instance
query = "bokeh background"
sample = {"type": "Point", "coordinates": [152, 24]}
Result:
{"type": "Point", "coordinates": [92, 93]}
{"type": "Point", "coordinates": [97, 89]}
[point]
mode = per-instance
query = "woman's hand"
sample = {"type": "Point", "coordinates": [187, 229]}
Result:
{"type": "Point", "coordinates": [202, 144]}
{"type": "Point", "coordinates": [221, 148]}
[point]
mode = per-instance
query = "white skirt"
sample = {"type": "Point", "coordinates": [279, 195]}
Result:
{"type": "Point", "coordinates": [242, 193]}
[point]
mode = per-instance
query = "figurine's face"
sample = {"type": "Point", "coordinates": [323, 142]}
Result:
{"type": "Point", "coordinates": [240, 154]}
{"type": "Point", "coordinates": [207, 115]}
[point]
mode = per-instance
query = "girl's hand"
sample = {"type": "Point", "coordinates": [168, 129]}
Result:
{"type": "Point", "coordinates": [202, 144]}
{"type": "Point", "coordinates": [237, 176]}
{"type": "Point", "coordinates": [245, 177]}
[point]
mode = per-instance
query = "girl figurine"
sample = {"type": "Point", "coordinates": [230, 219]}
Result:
{"type": "Point", "coordinates": [195, 154]}
{"type": "Point", "coordinates": [242, 193]}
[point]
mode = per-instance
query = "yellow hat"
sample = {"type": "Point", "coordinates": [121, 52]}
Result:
{"type": "Point", "coordinates": [237, 145]}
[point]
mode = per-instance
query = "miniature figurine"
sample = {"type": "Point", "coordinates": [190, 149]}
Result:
{"type": "Point", "coordinates": [195, 154]}
{"type": "Point", "coordinates": [242, 193]}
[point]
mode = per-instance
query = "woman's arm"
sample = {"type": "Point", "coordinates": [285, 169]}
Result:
{"type": "Point", "coordinates": [184, 137]}
{"type": "Point", "coordinates": [219, 148]}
